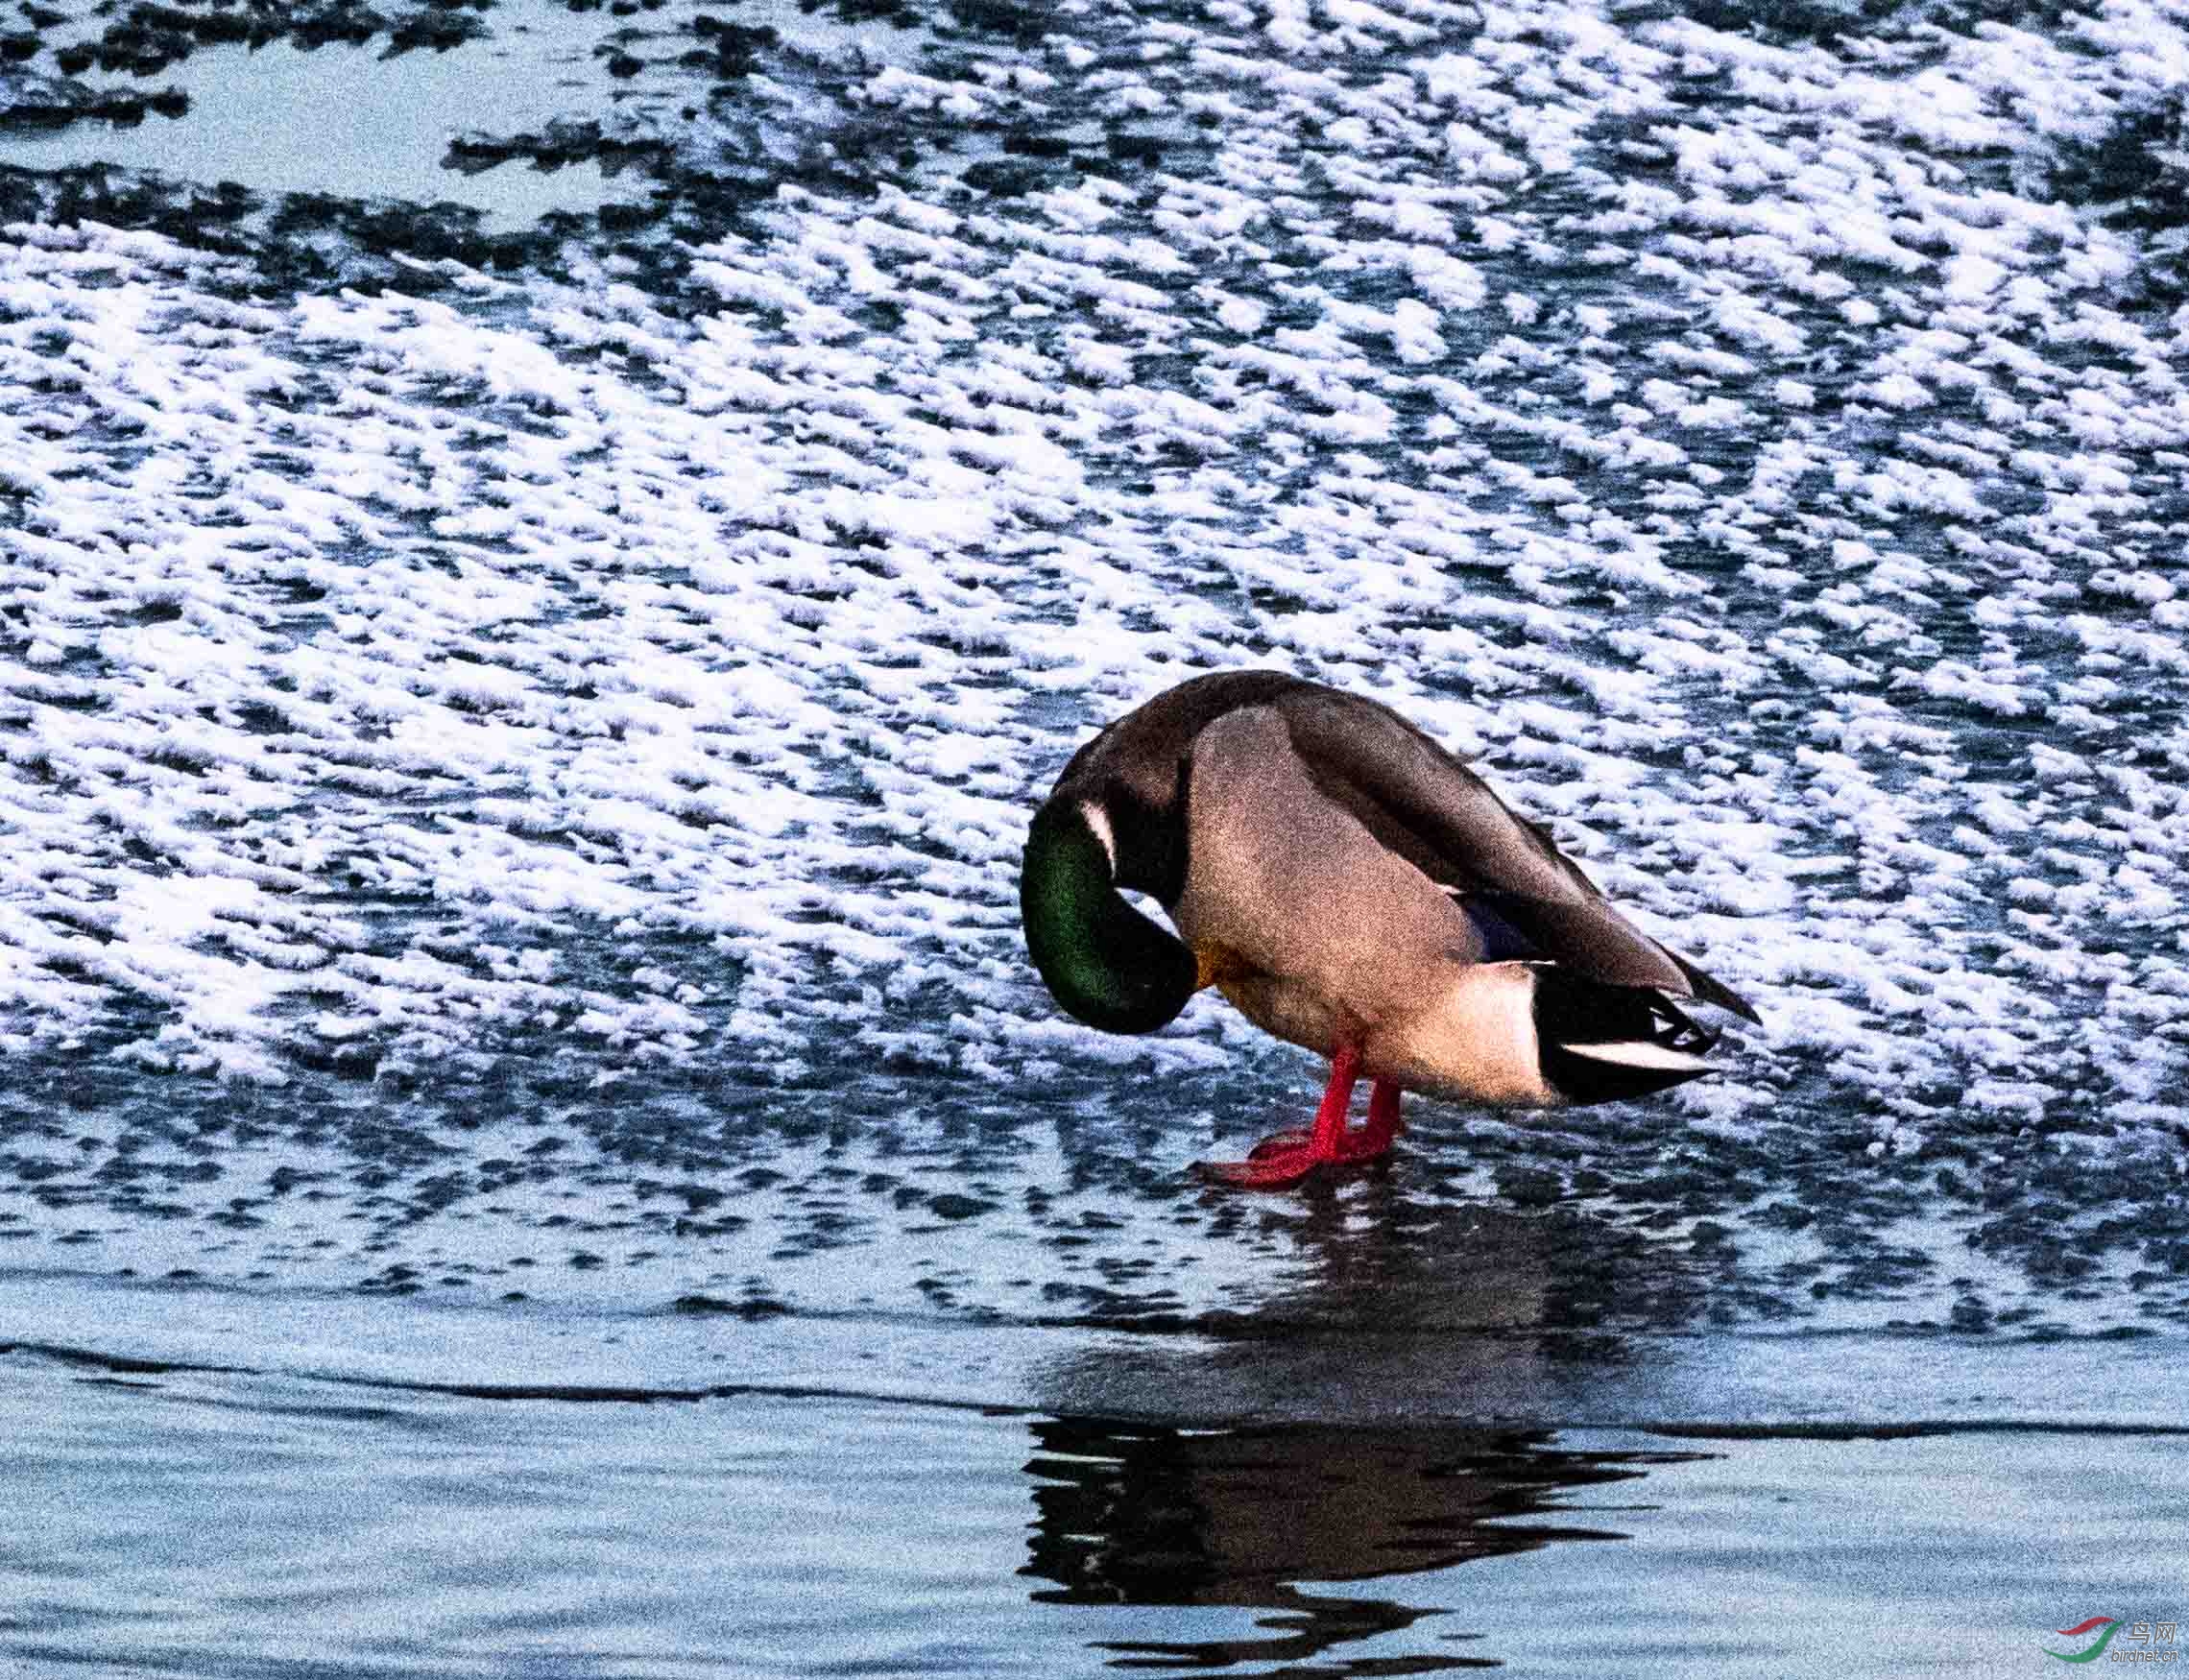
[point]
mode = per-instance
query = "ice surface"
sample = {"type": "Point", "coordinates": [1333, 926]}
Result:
{"type": "Point", "coordinates": [539, 755]}
{"type": "Point", "coordinates": [380, 125]}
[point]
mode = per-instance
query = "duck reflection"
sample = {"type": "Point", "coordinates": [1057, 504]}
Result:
{"type": "Point", "coordinates": [1385, 1311]}
{"type": "Point", "coordinates": [1139, 1514]}
{"type": "Point", "coordinates": [1376, 1255]}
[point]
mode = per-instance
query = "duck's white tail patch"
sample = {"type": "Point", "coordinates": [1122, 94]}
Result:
{"type": "Point", "coordinates": [1641, 1053]}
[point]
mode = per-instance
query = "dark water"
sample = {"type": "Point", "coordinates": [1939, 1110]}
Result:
{"type": "Point", "coordinates": [556, 1494]}
{"type": "Point", "coordinates": [262, 1525]}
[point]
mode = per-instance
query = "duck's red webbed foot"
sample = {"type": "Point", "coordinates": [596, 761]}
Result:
{"type": "Point", "coordinates": [1289, 1157]}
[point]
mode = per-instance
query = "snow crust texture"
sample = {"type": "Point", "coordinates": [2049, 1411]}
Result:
{"type": "Point", "coordinates": [591, 708]}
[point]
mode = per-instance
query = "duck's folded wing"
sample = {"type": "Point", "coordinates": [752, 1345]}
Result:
{"type": "Point", "coordinates": [1423, 803]}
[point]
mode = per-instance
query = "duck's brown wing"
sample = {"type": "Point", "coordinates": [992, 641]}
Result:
{"type": "Point", "coordinates": [1136, 770]}
{"type": "Point", "coordinates": [1424, 804]}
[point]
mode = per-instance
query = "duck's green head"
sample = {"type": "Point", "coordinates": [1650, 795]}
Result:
{"type": "Point", "coordinates": [1105, 962]}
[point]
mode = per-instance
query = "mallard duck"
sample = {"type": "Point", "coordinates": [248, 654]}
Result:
{"type": "Point", "coordinates": [1350, 886]}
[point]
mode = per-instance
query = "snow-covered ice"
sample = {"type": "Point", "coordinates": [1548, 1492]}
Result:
{"type": "Point", "coordinates": [516, 746]}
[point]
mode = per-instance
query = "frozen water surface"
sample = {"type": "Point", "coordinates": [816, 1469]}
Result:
{"type": "Point", "coordinates": [516, 743]}
{"type": "Point", "coordinates": [356, 123]}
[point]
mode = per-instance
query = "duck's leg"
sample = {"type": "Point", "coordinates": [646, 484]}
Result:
{"type": "Point", "coordinates": [1375, 1138]}
{"type": "Point", "coordinates": [1289, 1157]}
{"type": "Point", "coordinates": [1369, 1141]}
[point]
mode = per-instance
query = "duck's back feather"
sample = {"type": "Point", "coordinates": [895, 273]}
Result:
{"type": "Point", "coordinates": [1418, 800]}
